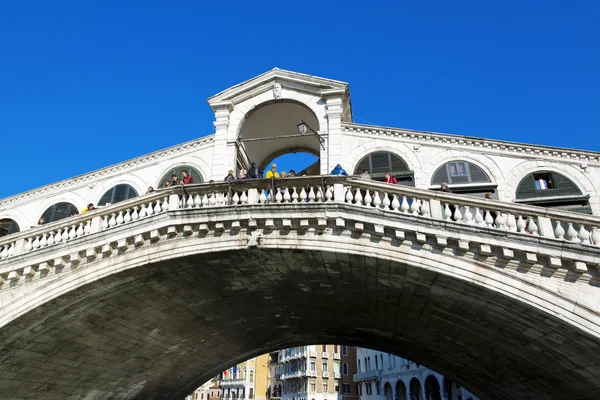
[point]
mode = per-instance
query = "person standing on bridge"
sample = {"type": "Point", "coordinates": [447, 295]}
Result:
{"type": "Point", "coordinates": [185, 178]}
{"type": "Point", "coordinates": [230, 177]}
{"type": "Point", "coordinates": [390, 179]}
{"type": "Point", "coordinates": [338, 170]}
{"type": "Point", "coordinates": [254, 172]}
{"type": "Point", "coordinates": [365, 175]}
{"type": "Point", "coordinates": [273, 172]}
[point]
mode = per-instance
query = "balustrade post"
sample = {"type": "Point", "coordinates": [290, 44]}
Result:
{"type": "Point", "coordinates": [96, 224]}
{"type": "Point", "coordinates": [545, 228]}
{"type": "Point", "coordinates": [252, 196]}
{"type": "Point", "coordinates": [339, 194]}
{"type": "Point", "coordinates": [436, 209]}
{"type": "Point", "coordinates": [19, 247]}
{"type": "Point", "coordinates": [174, 202]}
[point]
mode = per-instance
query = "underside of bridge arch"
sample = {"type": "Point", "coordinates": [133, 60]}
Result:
{"type": "Point", "coordinates": [160, 330]}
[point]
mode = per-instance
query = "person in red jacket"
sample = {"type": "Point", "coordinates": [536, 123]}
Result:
{"type": "Point", "coordinates": [185, 178]}
{"type": "Point", "coordinates": [390, 179]}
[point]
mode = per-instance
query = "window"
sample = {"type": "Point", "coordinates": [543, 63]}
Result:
{"type": "Point", "coordinates": [117, 194]}
{"type": "Point", "coordinates": [345, 368]}
{"type": "Point", "coordinates": [251, 376]}
{"type": "Point", "coordinates": [324, 347]}
{"type": "Point", "coordinates": [325, 387]}
{"type": "Point", "coordinates": [195, 174]}
{"type": "Point", "coordinates": [376, 363]}
{"type": "Point", "coordinates": [380, 162]}
{"type": "Point", "coordinates": [8, 226]}
{"type": "Point", "coordinates": [460, 172]}
{"type": "Point", "coordinates": [368, 385]}
{"type": "Point", "coordinates": [313, 386]}
{"type": "Point", "coordinates": [358, 367]}
{"type": "Point", "coordinates": [346, 388]}
{"type": "Point", "coordinates": [336, 388]}
{"type": "Point", "coordinates": [59, 211]}
{"type": "Point", "coordinates": [344, 350]}
{"type": "Point", "coordinates": [359, 389]}
{"type": "Point", "coordinates": [543, 181]}
{"type": "Point", "coordinates": [377, 388]}
{"type": "Point", "coordinates": [313, 365]}
{"type": "Point", "coordinates": [553, 190]}
{"type": "Point", "coordinates": [324, 366]}
{"type": "Point", "coordinates": [457, 168]}
{"type": "Point", "coordinates": [381, 361]}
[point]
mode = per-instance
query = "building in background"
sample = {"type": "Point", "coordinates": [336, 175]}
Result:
{"type": "Point", "coordinates": [306, 373]}
{"type": "Point", "coordinates": [348, 389]}
{"type": "Point", "coordinates": [246, 380]}
{"type": "Point", "coordinates": [382, 376]}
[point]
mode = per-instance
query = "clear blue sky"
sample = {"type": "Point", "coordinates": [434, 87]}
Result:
{"type": "Point", "coordinates": [87, 84]}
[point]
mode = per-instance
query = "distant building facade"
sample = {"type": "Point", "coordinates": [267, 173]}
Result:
{"type": "Point", "coordinates": [306, 373]}
{"type": "Point", "coordinates": [382, 376]}
{"type": "Point", "coordinates": [348, 389]}
{"type": "Point", "coordinates": [246, 381]}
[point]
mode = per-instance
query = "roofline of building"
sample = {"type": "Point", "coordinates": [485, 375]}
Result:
{"type": "Point", "coordinates": [89, 176]}
{"type": "Point", "coordinates": [532, 149]}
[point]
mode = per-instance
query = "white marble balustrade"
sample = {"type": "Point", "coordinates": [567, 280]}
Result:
{"type": "Point", "coordinates": [393, 199]}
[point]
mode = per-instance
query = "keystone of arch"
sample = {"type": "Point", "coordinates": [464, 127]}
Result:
{"type": "Point", "coordinates": [399, 149]}
{"type": "Point", "coordinates": [570, 171]}
{"type": "Point", "coordinates": [482, 161]}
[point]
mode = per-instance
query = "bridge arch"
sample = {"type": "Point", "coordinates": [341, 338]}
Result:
{"type": "Point", "coordinates": [268, 281]}
{"type": "Point", "coordinates": [270, 129]}
{"type": "Point", "coordinates": [572, 172]}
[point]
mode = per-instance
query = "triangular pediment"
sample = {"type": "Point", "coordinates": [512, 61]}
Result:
{"type": "Point", "coordinates": [255, 86]}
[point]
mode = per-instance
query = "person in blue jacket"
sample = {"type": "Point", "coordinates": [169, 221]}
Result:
{"type": "Point", "coordinates": [338, 170]}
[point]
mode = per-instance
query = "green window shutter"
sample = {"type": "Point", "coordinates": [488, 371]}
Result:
{"type": "Point", "coordinates": [440, 176]}
{"type": "Point", "coordinates": [362, 165]}
{"type": "Point", "coordinates": [477, 174]}
{"type": "Point", "coordinates": [526, 188]}
{"type": "Point", "coordinates": [564, 185]}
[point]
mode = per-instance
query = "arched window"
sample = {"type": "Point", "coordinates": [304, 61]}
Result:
{"type": "Point", "coordinates": [380, 162]}
{"type": "Point", "coordinates": [551, 189]}
{"type": "Point", "coordinates": [117, 193]}
{"type": "Point", "coordinates": [464, 178]}
{"type": "Point", "coordinates": [59, 211]}
{"type": "Point", "coordinates": [8, 226]}
{"type": "Point", "coordinates": [194, 173]}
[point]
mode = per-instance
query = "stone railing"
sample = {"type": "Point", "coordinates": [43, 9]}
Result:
{"type": "Point", "coordinates": [303, 191]}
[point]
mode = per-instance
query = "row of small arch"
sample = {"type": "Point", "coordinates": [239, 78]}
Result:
{"type": "Point", "coordinates": [377, 163]}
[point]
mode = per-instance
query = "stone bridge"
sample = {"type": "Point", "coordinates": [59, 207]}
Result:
{"type": "Point", "coordinates": [147, 298]}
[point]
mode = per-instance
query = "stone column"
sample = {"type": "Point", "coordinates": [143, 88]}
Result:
{"type": "Point", "coordinates": [334, 150]}
{"type": "Point", "coordinates": [223, 157]}
{"type": "Point", "coordinates": [443, 394]}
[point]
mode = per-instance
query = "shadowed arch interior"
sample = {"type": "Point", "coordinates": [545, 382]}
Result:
{"type": "Point", "coordinates": [8, 226]}
{"type": "Point", "coordinates": [59, 211]}
{"type": "Point", "coordinates": [126, 334]}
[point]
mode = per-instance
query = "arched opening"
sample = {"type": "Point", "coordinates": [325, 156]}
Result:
{"type": "Point", "coordinates": [59, 211]}
{"type": "Point", "coordinates": [415, 389]}
{"type": "Point", "coordinates": [464, 177]}
{"type": "Point", "coordinates": [380, 162]}
{"type": "Point", "coordinates": [551, 189]}
{"type": "Point", "coordinates": [400, 390]}
{"type": "Point", "coordinates": [298, 164]}
{"type": "Point", "coordinates": [432, 388]}
{"type": "Point", "coordinates": [271, 130]}
{"type": "Point", "coordinates": [193, 172]}
{"type": "Point", "coordinates": [387, 391]}
{"type": "Point", "coordinates": [203, 301]}
{"type": "Point", "coordinates": [117, 193]}
{"type": "Point", "coordinates": [8, 226]}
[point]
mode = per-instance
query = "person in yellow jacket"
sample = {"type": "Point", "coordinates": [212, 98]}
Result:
{"type": "Point", "coordinates": [273, 172]}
